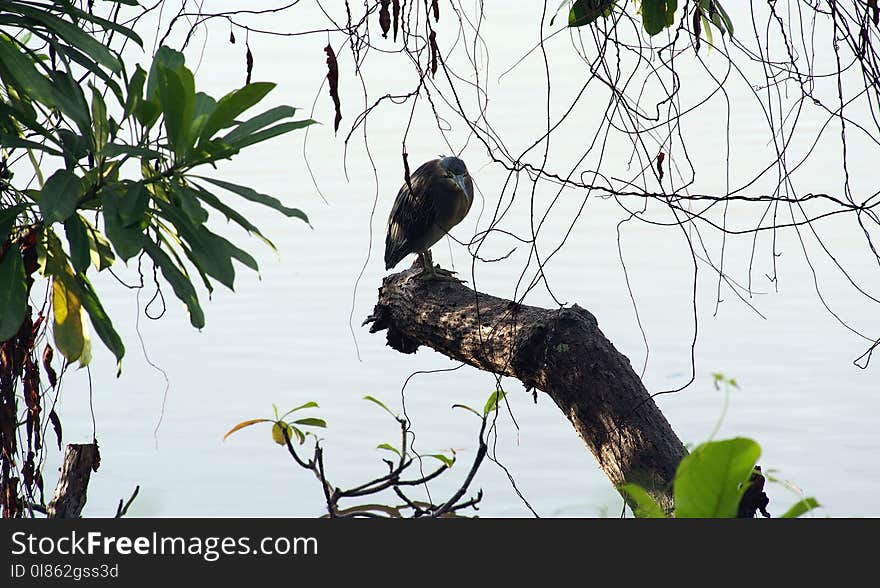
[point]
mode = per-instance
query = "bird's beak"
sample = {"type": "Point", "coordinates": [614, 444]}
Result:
{"type": "Point", "coordinates": [461, 183]}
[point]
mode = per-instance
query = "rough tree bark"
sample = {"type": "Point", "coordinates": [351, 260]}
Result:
{"type": "Point", "coordinates": [560, 352]}
{"type": "Point", "coordinates": [80, 460]}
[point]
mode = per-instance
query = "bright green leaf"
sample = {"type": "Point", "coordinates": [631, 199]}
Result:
{"type": "Point", "coordinates": [492, 403]}
{"type": "Point", "coordinates": [645, 506]}
{"type": "Point", "coordinates": [710, 481]}
{"type": "Point", "coordinates": [447, 461]}
{"type": "Point", "coordinates": [801, 507]}
{"type": "Point", "coordinates": [380, 403]}
{"type": "Point", "coordinates": [389, 447]}
{"type": "Point", "coordinates": [292, 410]}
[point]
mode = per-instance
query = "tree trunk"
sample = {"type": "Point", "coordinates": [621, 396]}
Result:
{"type": "Point", "coordinates": [80, 460]}
{"type": "Point", "coordinates": [560, 352]}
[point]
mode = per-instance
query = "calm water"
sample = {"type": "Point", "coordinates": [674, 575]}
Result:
{"type": "Point", "coordinates": [284, 336]}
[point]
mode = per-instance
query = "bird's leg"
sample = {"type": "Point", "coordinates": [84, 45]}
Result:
{"type": "Point", "coordinates": [427, 263]}
{"type": "Point", "coordinates": [429, 272]}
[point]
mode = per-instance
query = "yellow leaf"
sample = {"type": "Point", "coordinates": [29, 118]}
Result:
{"type": "Point", "coordinates": [68, 325]}
{"type": "Point", "coordinates": [244, 424]}
{"type": "Point", "coordinates": [278, 432]}
{"type": "Point", "coordinates": [86, 357]}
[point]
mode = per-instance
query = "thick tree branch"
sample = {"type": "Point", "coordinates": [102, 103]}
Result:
{"type": "Point", "coordinates": [80, 460]}
{"type": "Point", "coordinates": [560, 352]}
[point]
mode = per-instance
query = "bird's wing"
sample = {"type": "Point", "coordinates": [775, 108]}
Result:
{"type": "Point", "coordinates": [412, 214]}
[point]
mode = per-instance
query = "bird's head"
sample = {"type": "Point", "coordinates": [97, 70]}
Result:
{"type": "Point", "coordinates": [455, 172]}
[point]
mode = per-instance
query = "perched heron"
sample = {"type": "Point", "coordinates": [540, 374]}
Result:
{"type": "Point", "coordinates": [437, 198]}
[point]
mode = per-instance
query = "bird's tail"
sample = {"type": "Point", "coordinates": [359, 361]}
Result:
{"type": "Point", "coordinates": [393, 255]}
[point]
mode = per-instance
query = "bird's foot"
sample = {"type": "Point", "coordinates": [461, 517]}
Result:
{"type": "Point", "coordinates": [438, 274]}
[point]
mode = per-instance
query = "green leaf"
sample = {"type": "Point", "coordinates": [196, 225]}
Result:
{"type": "Point", "coordinates": [75, 147]}
{"type": "Point", "coordinates": [300, 436]}
{"type": "Point", "coordinates": [100, 321]}
{"type": "Point", "coordinates": [114, 149]}
{"type": "Point", "coordinates": [11, 142]}
{"type": "Point", "coordinates": [70, 33]}
{"type": "Point", "coordinates": [16, 68]}
{"type": "Point", "coordinates": [645, 506]}
{"type": "Point", "coordinates": [210, 253]}
{"type": "Point", "coordinates": [189, 203]}
{"type": "Point", "coordinates": [67, 327]}
{"type": "Point", "coordinates": [380, 403]}
{"type": "Point", "coordinates": [728, 24]}
{"type": "Point", "coordinates": [233, 104]}
{"type": "Point", "coordinates": [311, 422]}
{"type": "Point", "coordinates": [202, 110]}
{"type": "Point", "coordinates": [134, 91]}
{"type": "Point", "coordinates": [147, 112]}
{"type": "Point", "coordinates": [254, 196]}
{"type": "Point", "coordinates": [71, 100]}
{"type": "Point", "coordinates": [86, 62]}
{"type": "Point", "coordinates": [583, 12]}
{"type": "Point", "coordinates": [8, 216]}
{"type": "Point", "coordinates": [166, 58]}
{"type": "Point", "coordinates": [658, 14]}
{"type": "Point", "coordinates": [104, 23]}
{"type": "Point", "coordinates": [447, 461]}
{"type": "Point", "coordinates": [13, 292]}
{"type": "Point", "coordinates": [231, 214]}
{"type": "Point", "coordinates": [301, 407]}
{"type": "Point", "coordinates": [132, 206]}
{"type": "Point", "coordinates": [389, 447]}
{"type": "Point", "coordinates": [176, 96]}
{"type": "Point", "coordinates": [265, 134]}
{"type": "Point", "coordinates": [78, 239]}
{"type": "Point", "coordinates": [99, 120]}
{"type": "Point", "coordinates": [492, 403]}
{"type": "Point", "coordinates": [180, 283]}
{"type": "Point", "coordinates": [801, 507]}
{"type": "Point", "coordinates": [258, 122]}
{"type": "Point", "coordinates": [711, 480]}
{"type": "Point", "coordinates": [123, 219]}
{"type": "Point", "coordinates": [59, 196]}
{"type": "Point", "coordinates": [99, 248]}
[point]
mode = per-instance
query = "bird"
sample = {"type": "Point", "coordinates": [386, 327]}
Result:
{"type": "Point", "coordinates": [436, 198]}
